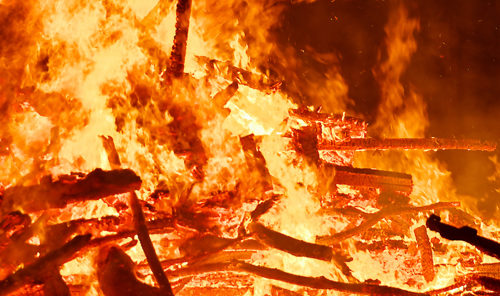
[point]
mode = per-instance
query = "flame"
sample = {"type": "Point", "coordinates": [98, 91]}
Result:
{"type": "Point", "coordinates": [82, 71]}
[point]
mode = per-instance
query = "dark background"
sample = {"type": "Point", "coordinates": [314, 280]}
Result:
{"type": "Point", "coordinates": [455, 69]}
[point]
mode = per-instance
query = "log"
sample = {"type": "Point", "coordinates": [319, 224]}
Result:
{"type": "Point", "coordinates": [68, 189]}
{"type": "Point", "coordinates": [425, 249]}
{"type": "Point", "coordinates": [466, 234]}
{"type": "Point", "coordinates": [37, 271]}
{"type": "Point", "coordinates": [255, 160]}
{"type": "Point", "coordinates": [409, 144]}
{"type": "Point", "coordinates": [385, 180]}
{"type": "Point", "coordinates": [178, 53]}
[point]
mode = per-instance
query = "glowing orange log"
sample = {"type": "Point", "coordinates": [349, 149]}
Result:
{"type": "Point", "coordinates": [409, 144]}
{"type": "Point", "coordinates": [424, 247]}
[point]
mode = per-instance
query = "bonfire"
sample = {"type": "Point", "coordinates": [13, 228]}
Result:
{"type": "Point", "coordinates": [141, 157]}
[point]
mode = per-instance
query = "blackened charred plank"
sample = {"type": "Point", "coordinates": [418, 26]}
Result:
{"type": "Point", "coordinates": [68, 189]}
{"type": "Point", "coordinates": [466, 234]}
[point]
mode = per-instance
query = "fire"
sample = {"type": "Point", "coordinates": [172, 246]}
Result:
{"type": "Point", "coordinates": [129, 121]}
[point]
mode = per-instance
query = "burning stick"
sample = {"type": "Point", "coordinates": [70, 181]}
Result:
{"type": "Point", "coordinates": [289, 244]}
{"type": "Point", "coordinates": [178, 54]}
{"type": "Point", "coordinates": [375, 217]}
{"type": "Point", "coordinates": [389, 181]}
{"type": "Point", "coordinates": [322, 282]}
{"type": "Point", "coordinates": [466, 234]}
{"type": "Point", "coordinates": [68, 189]}
{"type": "Point", "coordinates": [409, 144]}
{"type": "Point", "coordinates": [147, 245]}
{"type": "Point", "coordinates": [38, 270]}
{"type": "Point", "coordinates": [424, 247]}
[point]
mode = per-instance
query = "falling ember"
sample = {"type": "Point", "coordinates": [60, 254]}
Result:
{"type": "Point", "coordinates": [146, 150]}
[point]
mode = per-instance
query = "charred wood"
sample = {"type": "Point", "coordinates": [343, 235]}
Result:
{"type": "Point", "coordinates": [322, 282]}
{"type": "Point", "coordinates": [178, 54]}
{"type": "Point", "coordinates": [327, 119]}
{"type": "Point", "coordinates": [424, 247]}
{"type": "Point", "coordinates": [409, 144]}
{"type": "Point", "coordinates": [68, 189]}
{"type": "Point", "coordinates": [147, 245]}
{"type": "Point", "coordinates": [289, 244]}
{"type": "Point", "coordinates": [386, 180]}
{"type": "Point", "coordinates": [36, 272]}
{"type": "Point", "coordinates": [109, 146]}
{"type": "Point", "coordinates": [376, 217]}
{"type": "Point", "coordinates": [466, 234]}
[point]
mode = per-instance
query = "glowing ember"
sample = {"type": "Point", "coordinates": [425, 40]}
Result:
{"type": "Point", "coordinates": [145, 151]}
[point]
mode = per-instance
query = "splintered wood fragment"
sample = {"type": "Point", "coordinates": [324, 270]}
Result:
{"type": "Point", "coordinates": [410, 144]}
{"type": "Point", "coordinates": [68, 189]}
{"type": "Point", "coordinates": [36, 272]}
{"type": "Point", "coordinates": [242, 76]}
{"type": "Point", "coordinates": [109, 146]}
{"type": "Point", "coordinates": [374, 218]}
{"type": "Point", "coordinates": [178, 54]}
{"type": "Point", "coordinates": [289, 244]}
{"type": "Point", "coordinates": [322, 282]}
{"type": "Point", "coordinates": [147, 245]}
{"type": "Point", "coordinates": [386, 180]}
{"type": "Point", "coordinates": [425, 249]}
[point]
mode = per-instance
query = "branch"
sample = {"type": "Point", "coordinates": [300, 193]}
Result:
{"type": "Point", "coordinates": [147, 245]}
{"type": "Point", "coordinates": [425, 249]}
{"type": "Point", "coordinates": [376, 217]}
{"type": "Point", "coordinates": [37, 270]}
{"type": "Point", "coordinates": [178, 54]}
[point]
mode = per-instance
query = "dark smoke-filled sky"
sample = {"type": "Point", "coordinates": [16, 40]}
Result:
{"type": "Point", "coordinates": [455, 69]}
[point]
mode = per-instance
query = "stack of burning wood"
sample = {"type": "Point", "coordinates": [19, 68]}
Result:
{"type": "Point", "coordinates": [32, 252]}
{"type": "Point", "coordinates": [34, 244]}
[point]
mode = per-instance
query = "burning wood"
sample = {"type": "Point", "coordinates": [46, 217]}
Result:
{"type": "Point", "coordinates": [43, 267]}
{"type": "Point", "coordinates": [219, 157]}
{"type": "Point", "coordinates": [409, 144]}
{"type": "Point", "coordinates": [68, 189]}
{"type": "Point", "coordinates": [424, 247]}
